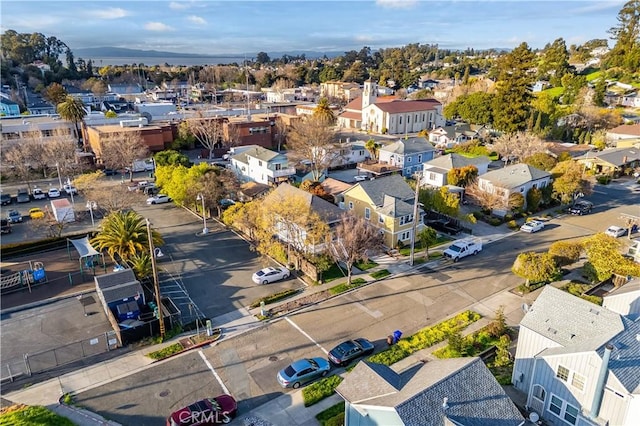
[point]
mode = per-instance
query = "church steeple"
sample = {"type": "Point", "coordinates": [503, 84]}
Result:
{"type": "Point", "coordinates": [369, 93]}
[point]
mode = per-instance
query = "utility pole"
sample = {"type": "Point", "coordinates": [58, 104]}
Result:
{"type": "Point", "coordinates": [156, 286]}
{"type": "Point", "coordinates": [418, 177]}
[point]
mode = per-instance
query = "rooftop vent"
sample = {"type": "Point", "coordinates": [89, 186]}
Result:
{"type": "Point", "coordinates": [445, 403]}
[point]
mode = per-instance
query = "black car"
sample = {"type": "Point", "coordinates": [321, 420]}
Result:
{"type": "Point", "coordinates": [5, 227]}
{"type": "Point", "coordinates": [580, 207]}
{"type": "Point", "coordinates": [5, 199]}
{"type": "Point", "coordinates": [14, 216]}
{"type": "Point", "coordinates": [347, 351]}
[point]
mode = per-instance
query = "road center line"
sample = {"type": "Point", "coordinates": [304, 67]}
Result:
{"type": "Point", "coordinates": [208, 364]}
{"type": "Point", "coordinates": [306, 335]}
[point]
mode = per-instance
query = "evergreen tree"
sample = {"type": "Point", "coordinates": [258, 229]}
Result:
{"type": "Point", "coordinates": [626, 51]}
{"type": "Point", "coordinates": [511, 103]}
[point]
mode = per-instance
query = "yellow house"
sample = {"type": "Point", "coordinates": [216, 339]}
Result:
{"type": "Point", "coordinates": [387, 203]}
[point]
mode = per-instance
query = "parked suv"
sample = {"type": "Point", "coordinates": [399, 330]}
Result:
{"type": "Point", "coordinates": [581, 207]}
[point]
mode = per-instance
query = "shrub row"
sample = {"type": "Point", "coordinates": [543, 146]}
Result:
{"type": "Point", "coordinates": [166, 352]}
{"type": "Point", "coordinates": [332, 416]}
{"type": "Point", "coordinates": [272, 298]}
{"type": "Point", "coordinates": [341, 288]}
{"type": "Point", "coordinates": [320, 390]}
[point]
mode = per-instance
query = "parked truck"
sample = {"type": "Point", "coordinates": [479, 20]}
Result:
{"type": "Point", "coordinates": [463, 248]}
{"type": "Point", "coordinates": [142, 166]}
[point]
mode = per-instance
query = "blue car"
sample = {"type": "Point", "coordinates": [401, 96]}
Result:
{"type": "Point", "coordinates": [303, 371]}
{"type": "Point", "coordinates": [347, 351]}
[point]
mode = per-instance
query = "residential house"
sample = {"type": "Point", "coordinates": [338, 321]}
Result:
{"type": "Point", "coordinates": [427, 83]}
{"type": "Point", "coordinates": [539, 86]}
{"type": "Point", "coordinates": [631, 99]}
{"type": "Point", "coordinates": [335, 188]}
{"type": "Point", "coordinates": [281, 95]}
{"type": "Point", "coordinates": [328, 212]}
{"type": "Point", "coordinates": [86, 96]}
{"type": "Point", "coordinates": [408, 154]}
{"type": "Point", "coordinates": [8, 107]}
{"type": "Point", "coordinates": [577, 362]}
{"type": "Point", "coordinates": [250, 191]}
{"type": "Point", "coordinates": [127, 91]}
{"type": "Point", "coordinates": [251, 130]}
{"type": "Point", "coordinates": [307, 109]}
{"type": "Point", "coordinates": [340, 90]}
{"type": "Point", "coordinates": [613, 162]}
{"type": "Point", "coordinates": [350, 154]}
{"type": "Point", "coordinates": [624, 299]}
{"type": "Point", "coordinates": [456, 391]}
{"type": "Point", "coordinates": [516, 178]}
{"type": "Point", "coordinates": [435, 171]}
{"type": "Point", "coordinates": [388, 203]}
{"type": "Point", "coordinates": [40, 107]}
{"type": "Point", "coordinates": [450, 136]}
{"type": "Point", "coordinates": [262, 165]}
{"type": "Point", "coordinates": [624, 132]}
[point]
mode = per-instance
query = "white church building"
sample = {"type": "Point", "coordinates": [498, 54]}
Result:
{"type": "Point", "coordinates": [389, 115]}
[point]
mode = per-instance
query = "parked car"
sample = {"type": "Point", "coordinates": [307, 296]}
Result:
{"type": "Point", "coordinates": [359, 178]}
{"type": "Point", "coordinates": [347, 351]}
{"type": "Point", "coordinates": [5, 227]}
{"type": "Point", "coordinates": [38, 194]}
{"type": "Point", "coordinates": [5, 199]}
{"type": "Point", "coordinates": [226, 202]}
{"type": "Point", "coordinates": [303, 371]}
{"type": "Point", "coordinates": [581, 207]}
{"type": "Point", "coordinates": [616, 231]}
{"type": "Point", "coordinates": [532, 226]}
{"type": "Point", "coordinates": [70, 189]}
{"type": "Point", "coordinates": [210, 411]}
{"type": "Point", "coordinates": [270, 274]}
{"type": "Point", "coordinates": [36, 213]}
{"type": "Point", "coordinates": [23, 196]}
{"type": "Point", "coordinates": [158, 199]}
{"type": "Point", "coordinates": [53, 193]}
{"type": "Point", "coordinates": [110, 172]}
{"type": "Point", "coordinates": [14, 216]}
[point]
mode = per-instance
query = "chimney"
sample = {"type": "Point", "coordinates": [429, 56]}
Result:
{"type": "Point", "coordinates": [445, 402]}
{"type": "Point", "coordinates": [602, 377]}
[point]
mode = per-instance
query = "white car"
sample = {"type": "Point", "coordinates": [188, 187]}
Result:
{"type": "Point", "coordinates": [70, 189]}
{"type": "Point", "coordinates": [270, 274]}
{"type": "Point", "coordinates": [359, 178]}
{"type": "Point", "coordinates": [37, 194]}
{"type": "Point", "coordinates": [53, 193]}
{"type": "Point", "coordinates": [616, 231]}
{"type": "Point", "coordinates": [159, 199]}
{"type": "Point", "coordinates": [532, 226]}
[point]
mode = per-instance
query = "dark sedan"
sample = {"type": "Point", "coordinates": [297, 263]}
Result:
{"type": "Point", "coordinates": [211, 411]}
{"type": "Point", "coordinates": [347, 351]}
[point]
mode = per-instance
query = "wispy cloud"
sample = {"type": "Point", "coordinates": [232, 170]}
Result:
{"type": "Point", "coordinates": [598, 6]}
{"type": "Point", "coordinates": [396, 4]}
{"type": "Point", "coordinates": [157, 26]}
{"type": "Point", "coordinates": [109, 13]}
{"type": "Point", "coordinates": [179, 5]}
{"type": "Point", "coordinates": [196, 20]}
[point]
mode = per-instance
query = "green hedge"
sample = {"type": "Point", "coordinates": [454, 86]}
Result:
{"type": "Point", "coordinates": [166, 352]}
{"type": "Point", "coordinates": [425, 338]}
{"type": "Point", "coordinates": [332, 416]}
{"type": "Point", "coordinates": [341, 288]}
{"type": "Point", "coordinates": [320, 390]}
{"type": "Point", "coordinates": [272, 298]}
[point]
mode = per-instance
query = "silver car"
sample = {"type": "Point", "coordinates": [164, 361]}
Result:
{"type": "Point", "coordinates": [303, 371]}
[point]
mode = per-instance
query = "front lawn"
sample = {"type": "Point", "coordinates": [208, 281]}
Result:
{"type": "Point", "coordinates": [364, 266]}
{"type": "Point", "coordinates": [24, 415]}
{"type": "Point", "coordinates": [332, 416]}
{"type": "Point", "coordinates": [419, 248]}
{"type": "Point", "coordinates": [333, 273]}
{"type": "Point", "coordinates": [341, 288]}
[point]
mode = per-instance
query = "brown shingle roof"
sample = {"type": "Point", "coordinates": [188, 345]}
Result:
{"type": "Point", "coordinates": [407, 106]}
{"type": "Point", "coordinates": [626, 129]}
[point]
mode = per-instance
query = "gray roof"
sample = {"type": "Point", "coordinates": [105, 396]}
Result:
{"type": "Point", "coordinates": [328, 211]}
{"type": "Point", "coordinates": [617, 157]}
{"type": "Point", "coordinates": [409, 146]}
{"type": "Point", "coordinates": [257, 152]}
{"type": "Point", "coordinates": [570, 321]}
{"type": "Point", "coordinates": [7, 101]}
{"type": "Point", "coordinates": [474, 397]}
{"type": "Point", "coordinates": [114, 279]}
{"type": "Point", "coordinates": [118, 285]}
{"type": "Point", "coordinates": [625, 358]}
{"type": "Point", "coordinates": [457, 161]}
{"type": "Point", "coordinates": [393, 185]}
{"type": "Point", "coordinates": [394, 207]}
{"type": "Point", "coordinates": [122, 292]}
{"type": "Point", "coordinates": [514, 176]}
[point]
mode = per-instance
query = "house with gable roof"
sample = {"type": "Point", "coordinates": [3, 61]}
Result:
{"type": "Point", "coordinates": [515, 178]}
{"type": "Point", "coordinates": [613, 162]}
{"type": "Point", "coordinates": [8, 107]}
{"type": "Point", "coordinates": [449, 136]}
{"type": "Point", "coordinates": [624, 135]}
{"type": "Point", "coordinates": [407, 154]}
{"type": "Point", "coordinates": [577, 362]}
{"type": "Point", "coordinates": [456, 391]}
{"type": "Point", "coordinates": [387, 203]}
{"type": "Point", "coordinates": [262, 165]}
{"type": "Point", "coordinates": [434, 172]}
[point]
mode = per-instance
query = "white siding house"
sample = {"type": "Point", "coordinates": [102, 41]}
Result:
{"type": "Point", "coordinates": [262, 165]}
{"type": "Point", "coordinates": [578, 363]}
{"type": "Point", "coordinates": [516, 178]}
{"type": "Point", "coordinates": [435, 171]}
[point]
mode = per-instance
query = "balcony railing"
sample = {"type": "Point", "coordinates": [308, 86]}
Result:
{"type": "Point", "coordinates": [281, 173]}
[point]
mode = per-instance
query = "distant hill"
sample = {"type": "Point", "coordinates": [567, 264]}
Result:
{"type": "Point", "coordinates": [122, 52]}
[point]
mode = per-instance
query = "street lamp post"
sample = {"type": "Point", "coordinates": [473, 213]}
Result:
{"type": "Point", "coordinates": [205, 230]}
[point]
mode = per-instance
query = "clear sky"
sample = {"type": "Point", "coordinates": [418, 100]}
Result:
{"type": "Point", "coordinates": [236, 26]}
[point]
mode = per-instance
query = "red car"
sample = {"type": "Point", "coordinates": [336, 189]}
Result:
{"type": "Point", "coordinates": [211, 411]}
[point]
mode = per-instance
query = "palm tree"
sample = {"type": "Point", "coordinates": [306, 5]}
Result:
{"type": "Point", "coordinates": [72, 109]}
{"type": "Point", "coordinates": [323, 111]}
{"type": "Point", "coordinates": [124, 236]}
{"type": "Point", "coordinates": [372, 147]}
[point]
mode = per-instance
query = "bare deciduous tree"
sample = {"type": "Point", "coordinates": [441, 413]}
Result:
{"type": "Point", "coordinates": [62, 148]}
{"type": "Point", "coordinates": [517, 146]}
{"type": "Point", "coordinates": [208, 131]}
{"type": "Point", "coordinates": [313, 142]}
{"type": "Point", "coordinates": [354, 239]}
{"type": "Point", "coordinates": [108, 198]}
{"type": "Point", "coordinates": [488, 200]}
{"type": "Point", "coordinates": [119, 150]}
{"type": "Point", "coordinates": [282, 130]}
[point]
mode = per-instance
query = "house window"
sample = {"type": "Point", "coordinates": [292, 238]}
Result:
{"type": "Point", "coordinates": [539, 393]}
{"type": "Point", "coordinates": [563, 410]}
{"type": "Point", "coordinates": [422, 117]}
{"type": "Point", "coordinates": [562, 373]}
{"type": "Point", "coordinates": [278, 166]}
{"type": "Point", "coordinates": [405, 235]}
{"type": "Point", "coordinates": [399, 120]}
{"type": "Point", "coordinates": [408, 159]}
{"type": "Point", "coordinates": [408, 119]}
{"type": "Point", "coordinates": [419, 158]}
{"type": "Point", "coordinates": [408, 172]}
{"type": "Point", "coordinates": [432, 176]}
{"type": "Point", "coordinates": [367, 213]}
{"type": "Point", "coordinates": [259, 163]}
{"type": "Point", "coordinates": [578, 381]}
{"type": "Point", "coordinates": [416, 119]}
{"type": "Point", "coordinates": [350, 205]}
{"type": "Point", "coordinates": [401, 220]}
